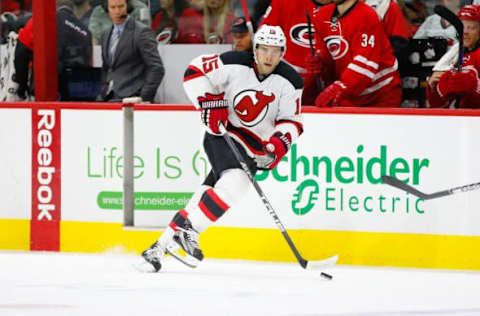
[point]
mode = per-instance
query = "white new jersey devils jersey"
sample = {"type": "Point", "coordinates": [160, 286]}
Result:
{"type": "Point", "coordinates": [257, 107]}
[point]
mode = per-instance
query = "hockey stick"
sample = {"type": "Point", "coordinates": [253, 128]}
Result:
{"type": "Point", "coordinates": [318, 81]}
{"type": "Point", "coordinates": [457, 24]}
{"type": "Point", "coordinates": [407, 188]}
{"type": "Point", "coordinates": [247, 19]}
{"type": "Point", "coordinates": [310, 265]}
{"type": "Point", "coordinates": [310, 33]}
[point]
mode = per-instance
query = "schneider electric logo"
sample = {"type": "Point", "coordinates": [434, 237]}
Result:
{"type": "Point", "coordinates": [350, 183]}
{"type": "Point", "coordinates": [305, 197]}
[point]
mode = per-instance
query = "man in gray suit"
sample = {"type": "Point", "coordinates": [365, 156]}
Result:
{"type": "Point", "coordinates": [131, 63]}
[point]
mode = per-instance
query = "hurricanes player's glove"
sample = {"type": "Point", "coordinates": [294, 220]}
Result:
{"type": "Point", "coordinates": [331, 95]}
{"type": "Point", "coordinates": [313, 65]}
{"type": "Point", "coordinates": [457, 82]}
{"type": "Point", "coordinates": [276, 147]}
{"type": "Point", "coordinates": [214, 111]}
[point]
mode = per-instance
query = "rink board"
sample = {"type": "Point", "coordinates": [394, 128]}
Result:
{"type": "Point", "coordinates": [327, 190]}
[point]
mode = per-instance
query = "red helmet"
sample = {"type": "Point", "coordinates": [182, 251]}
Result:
{"type": "Point", "coordinates": [470, 12]}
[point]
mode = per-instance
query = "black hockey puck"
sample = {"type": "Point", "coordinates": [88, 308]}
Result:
{"type": "Point", "coordinates": [326, 276]}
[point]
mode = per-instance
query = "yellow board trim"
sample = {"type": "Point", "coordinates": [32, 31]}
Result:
{"type": "Point", "coordinates": [14, 234]}
{"type": "Point", "coordinates": [356, 248]}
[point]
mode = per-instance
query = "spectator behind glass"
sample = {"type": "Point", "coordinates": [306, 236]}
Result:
{"type": "Point", "coordinates": [131, 63]}
{"type": "Point", "coordinates": [242, 40]}
{"type": "Point", "coordinates": [435, 26]}
{"type": "Point", "coordinates": [460, 86]}
{"type": "Point", "coordinates": [17, 7]}
{"type": "Point", "coordinates": [177, 23]}
{"type": "Point", "coordinates": [217, 22]}
{"type": "Point", "coordinates": [82, 10]}
{"type": "Point", "coordinates": [197, 5]}
{"type": "Point", "coordinates": [73, 46]}
{"type": "Point", "coordinates": [100, 21]}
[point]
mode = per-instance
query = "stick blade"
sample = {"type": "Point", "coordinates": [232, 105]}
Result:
{"type": "Point", "coordinates": [322, 264]}
{"type": "Point", "coordinates": [450, 17]}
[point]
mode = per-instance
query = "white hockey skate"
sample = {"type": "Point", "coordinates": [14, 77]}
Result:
{"type": "Point", "coordinates": [187, 239]}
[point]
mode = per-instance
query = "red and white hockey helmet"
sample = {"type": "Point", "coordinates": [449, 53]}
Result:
{"type": "Point", "coordinates": [270, 35]}
{"type": "Point", "coordinates": [470, 12]}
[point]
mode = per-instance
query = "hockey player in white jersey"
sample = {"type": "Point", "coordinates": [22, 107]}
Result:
{"type": "Point", "coordinates": [257, 97]}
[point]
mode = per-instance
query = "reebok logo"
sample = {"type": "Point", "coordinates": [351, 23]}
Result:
{"type": "Point", "coordinates": [46, 180]}
{"type": "Point", "coordinates": [305, 196]}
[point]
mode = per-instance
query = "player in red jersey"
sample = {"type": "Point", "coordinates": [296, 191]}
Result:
{"type": "Point", "coordinates": [464, 85]}
{"type": "Point", "coordinates": [394, 24]}
{"type": "Point", "coordinates": [291, 16]}
{"type": "Point", "coordinates": [365, 69]}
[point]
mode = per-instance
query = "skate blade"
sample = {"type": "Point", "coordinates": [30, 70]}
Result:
{"type": "Point", "coordinates": [186, 259]}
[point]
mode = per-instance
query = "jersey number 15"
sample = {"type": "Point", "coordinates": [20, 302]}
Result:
{"type": "Point", "coordinates": [209, 63]}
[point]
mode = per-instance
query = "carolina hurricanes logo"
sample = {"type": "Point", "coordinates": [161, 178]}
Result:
{"type": "Point", "coordinates": [165, 36]}
{"type": "Point", "coordinates": [337, 46]}
{"type": "Point", "coordinates": [251, 106]}
{"type": "Point", "coordinates": [299, 35]}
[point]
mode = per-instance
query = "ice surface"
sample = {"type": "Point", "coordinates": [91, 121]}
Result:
{"type": "Point", "coordinates": [51, 284]}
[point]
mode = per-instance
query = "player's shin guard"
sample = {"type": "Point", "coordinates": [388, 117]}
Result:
{"type": "Point", "coordinates": [201, 213]}
{"type": "Point", "coordinates": [214, 202]}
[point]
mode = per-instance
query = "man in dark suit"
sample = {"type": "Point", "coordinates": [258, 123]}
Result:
{"type": "Point", "coordinates": [131, 63]}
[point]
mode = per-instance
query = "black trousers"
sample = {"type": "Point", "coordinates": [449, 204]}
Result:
{"type": "Point", "coordinates": [222, 158]}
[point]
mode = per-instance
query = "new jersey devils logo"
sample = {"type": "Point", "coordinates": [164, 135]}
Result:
{"type": "Point", "coordinates": [299, 35]}
{"type": "Point", "coordinates": [251, 106]}
{"type": "Point", "coordinates": [337, 46]}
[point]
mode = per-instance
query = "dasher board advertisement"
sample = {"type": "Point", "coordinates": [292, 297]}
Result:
{"type": "Point", "coordinates": [330, 179]}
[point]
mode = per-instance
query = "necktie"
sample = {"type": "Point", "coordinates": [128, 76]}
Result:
{"type": "Point", "coordinates": [113, 42]}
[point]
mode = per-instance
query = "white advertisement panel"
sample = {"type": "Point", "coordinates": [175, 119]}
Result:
{"type": "Point", "coordinates": [329, 180]}
{"type": "Point", "coordinates": [91, 163]}
{"type": "Point", "coordinates": [16, 166]}
{"type": "Point", "coordinates": [169, 146]}
{"type": "Point", "coordinates": [168, 164]}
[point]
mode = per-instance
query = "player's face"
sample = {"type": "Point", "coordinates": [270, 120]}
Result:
{"type": "Point", "coordinates": [268, 58]}
{"type": "Point", "coordinates": [242, 41]}
{"type": "Point", "coordinates": [471, 33]}
{"type": "Point", "coordinates": [117, 9]}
